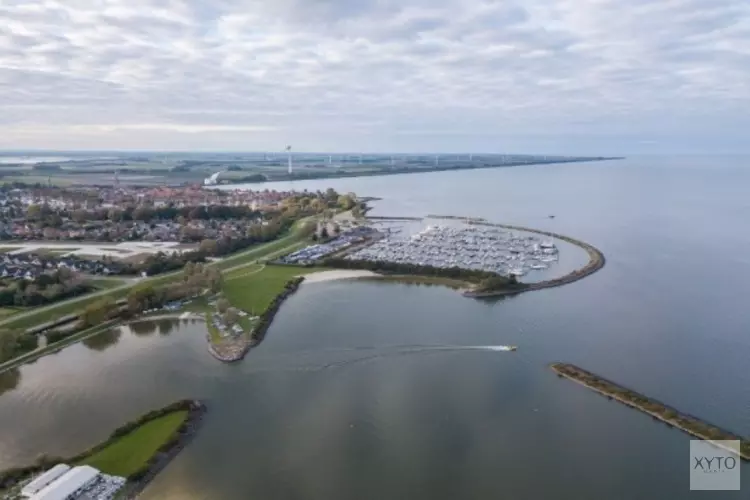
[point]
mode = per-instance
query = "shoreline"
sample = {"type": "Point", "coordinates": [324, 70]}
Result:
{"type": "Point", "coordinates": [239, 350]}
{"type": "Point", "coordinates": [345, 175]}
{"type": "Point", "coordinates": [684, 422]}
{"type": "Point", "coordinates": [339, 274]}
{"type": "Point", "coordinates": [187, 431]}
{"type": "Point", "coordinates": [595, 263]}
{"type": "Point", "coordinates": [138, 480]}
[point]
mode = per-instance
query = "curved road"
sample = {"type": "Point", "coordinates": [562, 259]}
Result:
{"type": "Point", "coordinates": [101, 293]}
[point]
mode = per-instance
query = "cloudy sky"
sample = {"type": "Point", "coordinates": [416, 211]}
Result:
{"type": "Point", "coordinates": [567, 76]}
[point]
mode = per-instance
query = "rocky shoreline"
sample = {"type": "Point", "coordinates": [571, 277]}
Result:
{"type": "Point", "coordinates": [595, 263]}
{"type": "Point", "coordinates": [674, 418]}
{"type": "Point", "coordinates": [236, 349]}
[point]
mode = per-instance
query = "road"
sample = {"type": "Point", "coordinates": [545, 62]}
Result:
{"type": "Point", "coordinates": [86, 298]}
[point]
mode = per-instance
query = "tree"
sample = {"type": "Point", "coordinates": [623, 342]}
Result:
{"type": "Point", "coordinates": [98, 312]}
{"type": "Point", "coordinates": [346, 202]}
{"type": "Point", "coordinates": [34, 212]}
{"type": "Point", "coordinates": [231, 316]}
{"type": "Point", "coordinates": [54, 220]}
{"type": "Point", "coordinates": [222, 305]}
{"type": "Point", "coordinates": [115, 215]}
{"type": "Point", "coordinates": [141, 298]}
{"type": "Point", "coordinates": [188, 270]}
{"type": "Point", "coordinates": [357, 212]}
{"type": "Point", "coordinates": [80, 216]}
{"type": "Point", "coordinates": [324, 233]}
{"type": "Point", "coordinates": [143, 213]}
{"type": "Point", "coordinates": [214, 278]}
{"type": "Point", "coordinates": [7, 345]}
{"type": "Point", "coordinates": [209, 247]}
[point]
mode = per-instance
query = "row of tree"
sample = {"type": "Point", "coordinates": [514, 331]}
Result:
{"type": "Point", "coordinates": [471, 275]}
{"type": "Point", "coordinates": [196, 278]}
{"type": "Point", "coordinates": [46, 289]}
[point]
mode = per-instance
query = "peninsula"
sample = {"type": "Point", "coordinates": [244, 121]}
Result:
{"type": "Point", "coordinates": [658, 410]}
{"type": "Point", "coordinates": [123, 464]}
{"type": "Point", "coordinates": [213, 169]}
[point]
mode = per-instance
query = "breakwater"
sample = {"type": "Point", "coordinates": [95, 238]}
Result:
{"type": "Point", "coordinates": [595, 263]}
{"type": "Point", "coordinates": [236, 349]}
{"type": "Point", "coordinates": [658, 410]}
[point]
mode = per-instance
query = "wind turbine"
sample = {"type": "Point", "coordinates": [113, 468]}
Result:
{"type": "Point", "coordinates": [289, 152]}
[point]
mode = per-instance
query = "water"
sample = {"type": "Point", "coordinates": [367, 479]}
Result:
{"type": "Point", "coordinates": [375, 390]}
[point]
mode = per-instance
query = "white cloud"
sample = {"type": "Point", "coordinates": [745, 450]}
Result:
{"type": "Point", "coordinates": [373, 74]}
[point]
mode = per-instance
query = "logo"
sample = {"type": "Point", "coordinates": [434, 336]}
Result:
{"type": "Point", "coordinates": [714, 465]}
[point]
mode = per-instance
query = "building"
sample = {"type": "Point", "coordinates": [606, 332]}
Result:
{"type": "Point", "coordinates": [68, 485]}
{"type": "Point", "coordinates": [45, 479]}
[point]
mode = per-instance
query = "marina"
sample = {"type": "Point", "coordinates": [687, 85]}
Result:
{"type": "Point", "coordinates": [480, 248]}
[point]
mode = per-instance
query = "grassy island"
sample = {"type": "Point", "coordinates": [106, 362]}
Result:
{"type": "Point", "coordinates": [137, 450]}
{"type": "Point", "coordinates": [658, 410]}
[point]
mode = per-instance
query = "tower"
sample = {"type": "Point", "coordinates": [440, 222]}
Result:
{"type": "Point", "coordinates": [289, 152]}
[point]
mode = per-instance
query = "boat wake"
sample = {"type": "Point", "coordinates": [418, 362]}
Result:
{"type": "Point", "coordinates": [393, 351]}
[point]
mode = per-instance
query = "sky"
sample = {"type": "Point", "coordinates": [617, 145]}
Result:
{"type": "Point", "coordinates": [529, 76]}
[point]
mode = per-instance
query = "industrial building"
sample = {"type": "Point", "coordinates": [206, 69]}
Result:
{"type": "Point", "coordinates": [63, 482]}
{"type": "Point", "coordinates": [38, 484]}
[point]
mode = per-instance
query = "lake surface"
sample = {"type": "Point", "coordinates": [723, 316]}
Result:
{"type": "Point", "coordinates": [376, 390]}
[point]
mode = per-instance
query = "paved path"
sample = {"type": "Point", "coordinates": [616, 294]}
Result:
{"type": "Point", "coordinates": [87, 297]}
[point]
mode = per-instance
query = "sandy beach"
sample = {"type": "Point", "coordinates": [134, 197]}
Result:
{"type": "Point", "coordinates": [338, 274]}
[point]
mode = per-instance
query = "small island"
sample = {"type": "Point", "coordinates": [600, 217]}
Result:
{"type": "Point", "coordinates": [658, 410]}
{"type": "Point", "coordinates": [123, 464]}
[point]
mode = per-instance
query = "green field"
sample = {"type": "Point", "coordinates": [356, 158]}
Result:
{"type": "Point", "coordinates": [106, 283]}
{"type": "Point", "coordinates": [10, 311]}
{"type": "Point", "coordinates": [253, 293]}
{"type": "Point", "coordinates": [131, 452]}
{"type": "Point", "coordinates": [44, 315]}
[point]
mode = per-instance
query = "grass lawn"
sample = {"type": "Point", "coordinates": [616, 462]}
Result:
{"type": "Point", "coordinates": [8, 249]}
{"type": "Point", "coordinates": [63, 309]}
{"type": "Point", "coordinates": [106, 283]}
{"type": "Point", "coordinates": [265, 250]}
{"type": "Point", "coordinates": [54, 251]}
{"type": "Point", "coordinates": [132, 451]}
{"type": "Point", "coordinates": [242, 271]}
{"type": "Point", "coordinates": [212, 330]}
{"type": "Point", "coordinates": [9, 311]}
{"type": "Point", "coordinates": [253, 293]}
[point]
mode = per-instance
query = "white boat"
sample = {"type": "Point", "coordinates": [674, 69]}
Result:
{"type": "Point", "coordinates": [516, 272]}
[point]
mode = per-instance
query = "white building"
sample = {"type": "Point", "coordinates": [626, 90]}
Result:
{"type": "Point", "coordinates": [67, 486]}
{"type": "Point", "coordinates": [36, 485]}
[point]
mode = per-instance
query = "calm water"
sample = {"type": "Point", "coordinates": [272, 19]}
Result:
{"type": "Point", "coordinates": [366, 390]}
